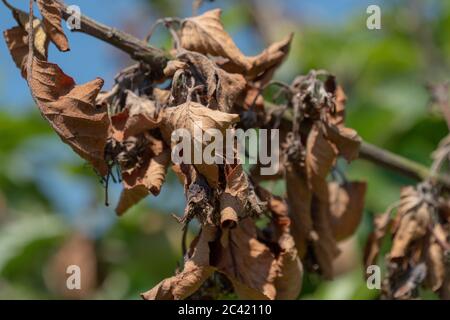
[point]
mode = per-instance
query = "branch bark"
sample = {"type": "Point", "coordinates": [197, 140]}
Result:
{"type": "Point", "coordinates": [136, 48]}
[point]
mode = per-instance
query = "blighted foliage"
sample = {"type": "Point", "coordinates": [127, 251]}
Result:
{"type": "Point", "coordinates": [212, 81]}
{"type": "Point", "coordinates": [419, 256]}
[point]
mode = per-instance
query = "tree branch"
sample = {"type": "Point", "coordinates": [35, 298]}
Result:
{"type": "Point", "coordinates": [136, 48]}
{"type": "Point", "coordinates": [400, 164]}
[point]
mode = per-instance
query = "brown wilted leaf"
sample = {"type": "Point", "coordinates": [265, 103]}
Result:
{"type": "Point", "coordinates": [161, 97]}
{"type": "Point", "coordinates": [415, 218]}
{"type": "Point", "coordinates": [222, 88]}
{"type": "Point", "coordinates": [435, 261]}
{"type": "Point", "coordinates": [299, 198]}
{"type": "Point", "coordinates": [321, 156]}
{"type": "Point", "coordinates": [172, 66]}
{"type": "Point", "coordinates": [247, 262]}
{"type": "Point", "coordinates": [325, 245]}
{"type": "Point", "coordinates": [142, 115]}
{"type": "Point", "coordinates": [197, 269]}
{"type": "Point", "coordinates": [265, 64]}
{"type": "Point", "coordinates": [346, 140]}
{"type": "Point", "coordinates": [338, 118]}
{"type": "Point", "coordinates": [138, 183]}
{"type": "Point", "coordinates": [197, 119]}
{"type": "Point", "coordinates": [51, 13]}
{"type": "Point", "coordinates": [205, 34]}
{"type": "Point", "coordinates": [72, 112]}
{"type": "Point", "coordinates": [346, 207]}
{"type": "Point", "coordinates": [288, 283]}
{"type": "Point", "coordinates": [382, 223]}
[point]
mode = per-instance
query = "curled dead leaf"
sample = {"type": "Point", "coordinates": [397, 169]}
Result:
{"type": "Point", "coordinates": [17, 42]}
{"type": "Point", "coordinates": [197, 269]}
{"type": "Point", "coordinates": [205, 34]}
{"type": "Point", "coordinates": [195, 120]}
{"type": "Point", "coordinates": [72, 111]}
{"type": "Point", "coordinates": [148, 178]}
{"type": "Point", "coordinates": [415, 217]}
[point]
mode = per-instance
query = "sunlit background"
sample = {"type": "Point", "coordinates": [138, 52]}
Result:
{"type": "Point", "coordinates": [52, 210]}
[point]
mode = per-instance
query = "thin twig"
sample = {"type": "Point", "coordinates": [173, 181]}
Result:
{"type": "Point", "coordinates": [30, 48]}
{"type": "Point", "coordinates": [136, 48]}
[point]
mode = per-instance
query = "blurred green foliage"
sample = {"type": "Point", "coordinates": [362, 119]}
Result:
{"type": "Point", "coordinates": [383, 73]}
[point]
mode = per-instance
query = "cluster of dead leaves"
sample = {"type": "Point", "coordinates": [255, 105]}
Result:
{"type": "Point", "coordinates": [419, 254]}
{"type": "Point", "coordinates": [322, 212]}
{"type": "Point", "coordinates": [212, 82]}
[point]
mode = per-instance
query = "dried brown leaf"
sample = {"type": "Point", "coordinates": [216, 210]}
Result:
{"type": "Point", "coordinates": [382, 223]}
{"type": "Point", "coordinates": [299, 198]}
{"type": "Point", "coordinates": [321, 156]}
{"type": "Point", "coordinates": [142, 115]}
{"type": "Point", "coordinates": [222, 88]}
{"type": "Point", "coordinates": [413, 226]}
{"type": "Point", "coordinates": [325, 245]}
{"type": "Point", "coordinates": [72, 112]}
{"type": "Point", "coordinates": [346, 207]}
{"type": "Point", "coordinates": [196, 270]}
{"type": "Point", "coordinates": [143, 180]}
{"type": "Point", "coordinates": [205, 34]}
{"type": "Point", "coordinates": [346, 140]}
{"type": "Point", "coordinates": [435, 261]}
{"type": "Point", "coordinates": [197, 119]}
{"type": "Point", "coordinates": [248, 263]}
{"type": "Point", "coordinates": [17, 42]}
{"type": "Point", "coordinates": [51, 13]}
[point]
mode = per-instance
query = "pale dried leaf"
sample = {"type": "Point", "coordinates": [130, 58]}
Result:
{"type": "Point", "coordinates": [299, 198]}
{"type": "Point", "coordinates": [197, 119]}
{"type": "Point", "coordinates": [248, 263]}
{"type": "Point", "coordinates": [51, 13]}
{"type": "Point", "coordinates": [413, 226]}
{"type": "Point", "coordinates": [17, 42]}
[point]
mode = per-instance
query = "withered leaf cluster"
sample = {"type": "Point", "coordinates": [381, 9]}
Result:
{"type": "Point", "coordinates": [210, 81]}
